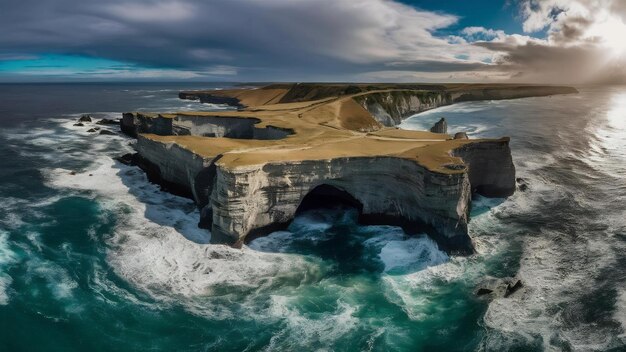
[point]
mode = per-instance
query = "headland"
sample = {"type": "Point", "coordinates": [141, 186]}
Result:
{"type": "Point", "coordinates": [291, 147]}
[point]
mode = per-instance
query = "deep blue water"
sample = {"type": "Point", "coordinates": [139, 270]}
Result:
{"type": "Point", "coordinates": [103, 260]}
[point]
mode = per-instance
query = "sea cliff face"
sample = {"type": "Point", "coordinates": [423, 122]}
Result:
{"type": "Point", "coordinates": [390, 108]}
{"type": "Point", "coordinates": [206, 126]}
{"type": "Point", "coordinates": [514, 92]}
{"type": "Point", "coordinates": [134, 123]}
{"type": "Point", "coordinates": [490, 167]}
{"type": "Point", "coordinates": [252, 201]}
{"type": "Point", "coordinates": [178, 168]}
{"type": "Point", "coordinates": [241, 203]}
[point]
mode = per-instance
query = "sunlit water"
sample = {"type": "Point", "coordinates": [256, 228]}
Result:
{"type": "Point", "coordinates": [103, 260]}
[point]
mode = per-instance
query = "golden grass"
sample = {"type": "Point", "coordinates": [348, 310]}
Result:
{"type": "Point", "coordinates": [328, 128]}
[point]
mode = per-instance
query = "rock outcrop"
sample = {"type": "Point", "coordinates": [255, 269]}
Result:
{"type": "Point", "coordinates": [461, 135]}
{"type": "Point", "coordinates": [108, 122]}
{"type": "Point", "coordinates": [440, 126]}
{"type": "Point", "coordinates": [499, 287]}
{"type": "Point", "coordinates": [84, 118]}
{"type": "Point", "coordinates": [251, 171]}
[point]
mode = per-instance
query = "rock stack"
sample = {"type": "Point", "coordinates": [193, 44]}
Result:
{"type": "Point", "coordinates": [440, 127]}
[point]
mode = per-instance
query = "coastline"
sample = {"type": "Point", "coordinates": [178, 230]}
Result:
{"type": "Point", "coordinates": [138, 250]}
{"type": "Point", "coordinates": [250, 171]}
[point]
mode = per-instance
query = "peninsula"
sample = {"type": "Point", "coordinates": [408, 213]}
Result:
{"type": "Point", "coordinates": [290, 147]}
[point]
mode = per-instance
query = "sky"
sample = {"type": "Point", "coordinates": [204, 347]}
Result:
{"type": "Point", "coordinates": [525, 41]}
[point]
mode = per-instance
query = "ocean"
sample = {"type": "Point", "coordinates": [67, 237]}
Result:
{"type": "Point", "coordinates": [95, 258]}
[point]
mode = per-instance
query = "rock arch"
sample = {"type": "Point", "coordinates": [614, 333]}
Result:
{"type": "Point", "coordinates": [250, 203]}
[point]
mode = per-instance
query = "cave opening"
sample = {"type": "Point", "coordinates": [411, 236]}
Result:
{"type": "Point", "coordinates": [328, 197]}
{"type": "Point", "coordinates": [327, 226]}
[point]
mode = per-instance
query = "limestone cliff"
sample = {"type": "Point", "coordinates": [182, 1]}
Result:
{"type": "Point", "coordinates": [480, 92]}
{"type": "Point", "coordinates": [133, 124]}
{"type": "Point", "coordinates": [251, 171]}
{"type": "Point", "coordinates": [491, 170]}
{"type": "Point", "coordinates": [388, 103]}
{"type": "Point", "coordinates": [391, 107]}
{"type": "Point", "coordinates": [177, 167]}
{"type": "Point", "coordinates": [255, 200]}
{"type": "Point", "coordinates": [207, 126]}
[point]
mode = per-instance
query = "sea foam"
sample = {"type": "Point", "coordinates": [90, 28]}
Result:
{"type": "Point", "coordinates": [7, 258]}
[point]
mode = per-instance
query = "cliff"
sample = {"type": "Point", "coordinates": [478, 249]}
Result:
{"type": "Point", "coordinates": [256, 200]}
{"type": "Point", "coordinates": [391, 107]}
{"type": "Point", "coordinates": [253, 170]}
{"type": "Point", "coordinates": [387, 103]}
{"type": "Point", "coordinates": [486, 92]}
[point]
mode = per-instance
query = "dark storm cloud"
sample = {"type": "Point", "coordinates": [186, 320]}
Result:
{"type": "Point", "coordinates": [254, 37]}
{"type": "Point", "coordinates": [535, 61]}
{"type": "Point", "coordinates": [440, 66]}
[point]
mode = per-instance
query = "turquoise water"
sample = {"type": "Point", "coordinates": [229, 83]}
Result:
{"type": "Point", "coordinates": [103, 260]}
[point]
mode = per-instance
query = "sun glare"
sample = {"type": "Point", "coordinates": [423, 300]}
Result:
{"type": "Point", "coordinates": [612, 33]}
{"type": "Point", "coordinates": [617, 113]}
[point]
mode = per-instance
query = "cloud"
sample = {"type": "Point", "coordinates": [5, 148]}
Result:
{"type": "Point", "coordinates": [318, 39]}
{"type": "Point", "coordinates": [482, 33]}
{"type": "Point", "coordinates": [152, 11]}
{"type": "Point", "coordinates": [266, 40]}
{"type": "Point", "coordinates": [584, 43]}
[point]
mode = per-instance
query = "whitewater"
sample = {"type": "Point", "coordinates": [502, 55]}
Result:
{"type": "Point", "coordinates": [92, 256]}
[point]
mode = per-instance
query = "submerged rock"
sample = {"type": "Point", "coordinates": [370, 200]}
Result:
{"type": "Point", "coordinates": [85, 118]}
{"type": "Point", "coordinates": [499, 287]}
{"type": "Point", "coordinates": [108, 122]}
{"type": "Point", "coordinates": [440, 127]}
{"type": "Point", "coordinates": [92, 130]}
{"type": "Point", "coordinates": [522, 185]}
{"type": "Point", "coordinates": [511, 289]}
{"type": "Point", "coordinates": [483, 291]}
{"type": "Point", "coordinates": [107, 132]}
{"type": "Point", "coordinates": [127, 159]}
{"type": "Point", "coordinates": [79, 124]}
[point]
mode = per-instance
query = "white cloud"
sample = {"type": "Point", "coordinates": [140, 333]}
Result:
{"type": "Point", "coordinates": [483, 33]}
